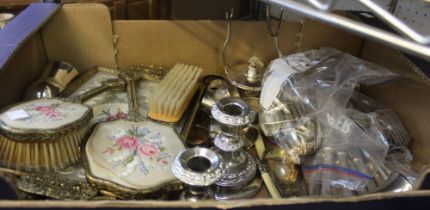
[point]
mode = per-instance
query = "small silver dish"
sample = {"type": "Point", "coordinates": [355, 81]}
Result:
{"type": "Point", "coordinates": [198, 168]}
{"type": "Point", "coordinates": [218, 89]}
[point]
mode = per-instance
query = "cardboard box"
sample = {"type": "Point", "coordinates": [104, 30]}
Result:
{"type": "Point", "coordinates": [83, 34]}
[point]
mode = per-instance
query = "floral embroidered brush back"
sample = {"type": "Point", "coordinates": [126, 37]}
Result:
{"type": "Point", "coordinates": [136, 155]}
{"type": "Point", "coordinates": [44, 114]}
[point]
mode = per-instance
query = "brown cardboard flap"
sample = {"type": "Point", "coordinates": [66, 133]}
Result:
{"type": "Point", "coordinates": [196, 42]}
{"type": "Point", "coordinates": [390, 59]}
{"type": "Point", "coordinates": [23, 68]}
{"type": "Point", "coordinates": [80, 34]}
{"type": "Point", "coordinates": [411, 102]}
{"type": "Point", "coordinates": [243, 203]}
{"type": "Point", "coordinates": [409, 97]}
{"type": "Point", "coordinates": [316, 35]}
{"type": "Point", "coordinates": [200, 42]}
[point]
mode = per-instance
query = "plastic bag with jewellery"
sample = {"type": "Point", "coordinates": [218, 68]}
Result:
{"type": "Point", "coordinates": [304, 110]}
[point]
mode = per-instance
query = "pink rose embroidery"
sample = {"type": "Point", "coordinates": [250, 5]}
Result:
{"type": "Point", "coordinates": [120, 115]}
{"type": "Point", "coordinates": [52, 114]}
{"type": "Point", "coordinates": [127, 142]}
{"type": "Point", "coordinates": [44, 108]}
{"type": "Point", "coordinates": [152, 153]}
{"type": "Point", "coordinates": [48, 111]}
{"type": "Point", "coordinates": [148, 150]}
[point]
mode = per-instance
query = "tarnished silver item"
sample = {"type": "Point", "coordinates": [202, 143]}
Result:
{"type": "Point", "coordinates": [53, 80]}
{"type": "Point", "coordinates": [218, 89]}
{"type": "Point", "coordinates": [400, 184]}
{"type": "Point", "coordinates": [245, 76]}
{"type": "Point", "coordinates": [233, 114]}
{"type": "Point", "coordinates": [248, 191]}
{"type": "Point", "coordinates": [287, 125]}
{"type": "Point", "coordinates": [198, 168]}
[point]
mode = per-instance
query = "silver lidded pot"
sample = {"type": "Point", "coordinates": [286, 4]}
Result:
{"type": "Point", "coordinates": [198, 168]}
{"type": "Point", "coordinates": [53, 80]}
{"type": "Point", "coordinates": [233, 114]}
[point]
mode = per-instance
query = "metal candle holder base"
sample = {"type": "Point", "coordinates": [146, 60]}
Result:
{"type": "Point", "coordinates": [240, 170]}
{"type": "Point", "coordinates": [198, 168]}
{"type": "Point", "coordinates": [233, 114]}
{"type": "Point", "coordinates": [230, 193]}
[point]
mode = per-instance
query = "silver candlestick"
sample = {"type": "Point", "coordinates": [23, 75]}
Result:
{"type": "Point", "coordinates": [233, 114]}
{"type": "Point", "coordinates": [198, 168]}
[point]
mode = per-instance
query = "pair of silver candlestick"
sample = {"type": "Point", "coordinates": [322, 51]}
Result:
{"type": "Point", "coordinates": [228, 165]}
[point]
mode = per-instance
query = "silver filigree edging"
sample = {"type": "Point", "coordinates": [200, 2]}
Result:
{"type": "Point", "coordinates": [195, 178]}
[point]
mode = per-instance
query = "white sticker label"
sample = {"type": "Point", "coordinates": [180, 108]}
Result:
{"type": "Point", "coordinates": [341, 124]}
{"type": "Point", "coordinates": [17, 114]}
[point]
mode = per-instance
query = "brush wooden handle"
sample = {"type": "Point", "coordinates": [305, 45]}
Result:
{"type": "Point", "coordinates": [270, 185]}
{"type": "Point", "coordinates": [259, 146]}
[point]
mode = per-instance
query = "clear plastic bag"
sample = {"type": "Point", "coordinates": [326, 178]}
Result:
{"type": "Point", "coordinates": [385, 120]}
{"type": "Point", "coordinates": [310, 111]}
{"type": "Point", "coordinates": [391, 176]}
{"type": "Point", "coordinates": [407, 173]}
{"type": "Point", "coordinates": [280, 69]}
{"type": "Point", "coordinates": [395, 174]}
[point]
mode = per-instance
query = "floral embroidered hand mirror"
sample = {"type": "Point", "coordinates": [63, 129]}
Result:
{"type": "Point", "coordinates": [134, 156]}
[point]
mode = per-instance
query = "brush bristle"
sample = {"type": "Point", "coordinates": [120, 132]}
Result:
{"type": "Point", "coordinates": [39, 156]}
{"type": "Point", "coordinates": [175, 91]}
